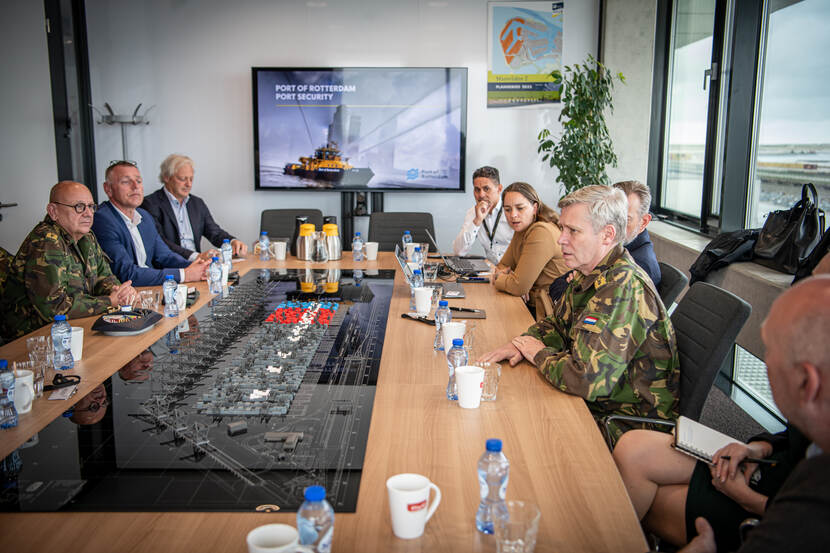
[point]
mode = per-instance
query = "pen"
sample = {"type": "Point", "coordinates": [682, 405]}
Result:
{"type": "Point", "coordinates": [771, 462]}
{"type": "Point", "coordinates": [465, 309]}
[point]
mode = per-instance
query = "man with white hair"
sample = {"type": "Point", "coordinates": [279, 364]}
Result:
{"type": "Point", "coordinates": [798, 365]}
{"type": "Point", "coordinates": [609, 339]}
{"type": "Point", "coordinates": [637, 240]}
{"type": "Point", "coordinates": [182, 218]}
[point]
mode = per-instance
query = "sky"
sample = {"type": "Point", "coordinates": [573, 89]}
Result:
{"type": "Point", "coordinates": [795, 105]}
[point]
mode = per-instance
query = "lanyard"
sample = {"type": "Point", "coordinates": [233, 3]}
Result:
{"type": "Point", "coordinates": [491, 234]}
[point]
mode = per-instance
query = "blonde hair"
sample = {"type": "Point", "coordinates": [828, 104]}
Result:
{"type": "Point", "coordinates": [171, 165]}
{"type": "Point", "coordinates": [606, 206]}
{"type": "Point", "coordinates": [543, 211]}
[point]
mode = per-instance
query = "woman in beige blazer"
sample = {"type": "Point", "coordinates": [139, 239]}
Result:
{"type": "Point", "coordinates": [533, 259]}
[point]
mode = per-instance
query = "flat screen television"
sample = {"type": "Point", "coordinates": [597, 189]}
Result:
{"type": "Point", "coordinates": [360, 128]}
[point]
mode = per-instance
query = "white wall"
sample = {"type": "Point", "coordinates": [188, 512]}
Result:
{"type": "Point", "coordinates": [628, 44]}
{"type": "Point", "coordinates": [192, 60]}
{"type": "Point", "coordinates": [28, 167]}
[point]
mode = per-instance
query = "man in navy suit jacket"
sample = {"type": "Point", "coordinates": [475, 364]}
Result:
{"type": "Point", "coordinates": [128, 234]}
{"type": "Point", "coordinates": [182, 218]}
{"type": "Point", "coordinates": [637, 241]}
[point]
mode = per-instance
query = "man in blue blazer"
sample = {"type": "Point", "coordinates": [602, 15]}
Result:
{"type": "Point", "coordinates": [182, 218]}
{"type": "Point", "coordinates": [637, 241]}
{"type": "Point", "coordinates": [129, 237]}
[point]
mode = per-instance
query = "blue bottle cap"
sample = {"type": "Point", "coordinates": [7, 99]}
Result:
{"type": "Point", "coordinates": [357, 234]}
{"type": "Point", "coordinates": [264, 233]}
{"type": "Point", "coordinates": [406, 232]}
{"type": "Point", "coordinates": [416, 272]}
{"type": "Point", "coordinates": [168, 277]}
{"type": "Point", "coordinates": [60, 317]}
{"type": "Point", "coordinates": [3, 364]}
{"type": "Point", "coordinates": [493, 444]}
{"type": "Point", "coordinates": [417, 248]}
{"type": "Point", "coordinates": [457, 342]}
{"type": "Point", "coordinates": [228, 240]}
{"type": "Point", "coordinates": [316, 493]}
{"type": "Point", "coordinates": [215, 258]}
{"type": "Point", "coordinates": [442, 303]}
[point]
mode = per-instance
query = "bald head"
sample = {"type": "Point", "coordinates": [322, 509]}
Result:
{"type": "Point", "coordinates": [796, 335]}
{"type": "Point", "coordinates": [62, 199]}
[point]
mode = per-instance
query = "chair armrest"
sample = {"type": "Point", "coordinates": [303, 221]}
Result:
{"type": "Point", "coordinates": [629, 418]}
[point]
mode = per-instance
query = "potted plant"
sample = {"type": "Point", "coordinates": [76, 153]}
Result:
{"type": "Point", "coordinates": [584, 149]}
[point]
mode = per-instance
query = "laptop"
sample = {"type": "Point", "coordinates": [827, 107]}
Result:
{"type": "Point", "coordinates": [460, 265]}
{"type": "Point", "coordinates": [450, 290]}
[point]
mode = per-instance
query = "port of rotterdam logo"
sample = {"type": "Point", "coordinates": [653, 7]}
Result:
{"type": "Point", "coordinates": [412, 174]}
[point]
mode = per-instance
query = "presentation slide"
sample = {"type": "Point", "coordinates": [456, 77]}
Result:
{"type": "Point", "coordinates": [360, 128]}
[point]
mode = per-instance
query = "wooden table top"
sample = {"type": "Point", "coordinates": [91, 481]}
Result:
{"type": "Point", "coordinates": [558, 458]}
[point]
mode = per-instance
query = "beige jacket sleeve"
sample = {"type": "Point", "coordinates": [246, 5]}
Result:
{"type": "Point", "coordinates": [528, 259]}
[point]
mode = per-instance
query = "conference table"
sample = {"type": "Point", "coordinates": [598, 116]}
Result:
{"type": "Point", "coordinates": [558, 459]}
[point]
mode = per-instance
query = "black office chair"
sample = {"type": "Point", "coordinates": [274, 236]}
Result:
{"type": "Point", "coordinates": [386, 228]}
{"type": "Point", "coordinates": [672, 282]}
{"type": "Point", "coordinates": [279, 223]}
{"type": "Point", "coordinates": [706, 322]}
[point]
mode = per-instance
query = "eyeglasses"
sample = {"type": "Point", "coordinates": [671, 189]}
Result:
{"type": "Point", "coordinates": [80, 206]}
{"type": "Point", "coordinates": [115, 162]}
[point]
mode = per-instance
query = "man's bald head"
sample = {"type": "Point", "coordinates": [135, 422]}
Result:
{"type": "Point", "coordinates": [62, 199]}
{"type": "Point", "coordinates": [796, 334]}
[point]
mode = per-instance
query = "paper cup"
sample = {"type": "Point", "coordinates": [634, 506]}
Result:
{"type": "Point", "coordinates": [77, 345]}
{"type": "Point", "coordinates": [409, 504]}
{"type": "Point", "coordinates": [470, 381]}
{"type": "Point", "coordinates": [24, 392]}
{"type": "Point", "coordinates": [452, 330]}
{"type": "Point", "coordinates": [423, 300]}
{"type": "Point", "coordinates": [278, 250]}
{"type": "Point", "coordinates": [181, 297]}
{"type": "Point", "coordinates": [275, 538]}
{"type": "Point", "coordinates": [371, 251]}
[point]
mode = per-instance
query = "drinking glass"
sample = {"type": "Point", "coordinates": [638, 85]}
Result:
{"type": "Point", "coordinates": [492, 373]}
{"type": "Point", "coordinates": [516, 532]}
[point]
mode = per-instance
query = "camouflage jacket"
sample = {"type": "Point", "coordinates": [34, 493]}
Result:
{"type": "Point", "coordinates": [52, 274]}
{"type": "Point", "coordinates": [611, 342]}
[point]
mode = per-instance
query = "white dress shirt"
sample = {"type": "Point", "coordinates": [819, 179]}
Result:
{"type": "Point", "coordinates": [138, 242]}
{"type": "Point", "coordinates": [493, 249]}
{"type": "Point", "coordinates": [183, 222]}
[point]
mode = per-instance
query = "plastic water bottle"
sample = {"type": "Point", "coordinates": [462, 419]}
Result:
{"type": "Point", "coordinates": [407, 239]}
{"type": "Point", "coordinates": [418, 257]}
{"type": "Point", "coordinates": [171, 308]}
{"type": "Point", "coordinates": [442, 315]}
{"type": "Point", "coordinates": [456, 357]}
{"type": "Point", "coordinates": [215, 276]}
{"type": "Point", "coordinates": [62, 344]}
{"type": "Point", "coordinates": [493, 473]}
{"type": "Point", "coordinates": [315, 520]}
{"type": "Point", "coordinates": [357, 247]}
{"type": "Point", "coordinates": [264, 247]}
{"type": "Point", "coordinates": [8, 412]}
{"type": "Point", "coordinates": [227, 253]}
{"type": "Point", "coordinates": [417, 282]}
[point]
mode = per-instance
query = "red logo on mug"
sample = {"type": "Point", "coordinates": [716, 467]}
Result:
{"type": "Point", "coordinates": [412, 507]}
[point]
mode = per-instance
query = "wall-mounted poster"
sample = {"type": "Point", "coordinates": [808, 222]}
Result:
{"type": "Point", "coordinates": [524, 47]}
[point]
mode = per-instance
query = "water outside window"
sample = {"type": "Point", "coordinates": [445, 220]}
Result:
{"type": "Point", "coordinates": [793, 131]}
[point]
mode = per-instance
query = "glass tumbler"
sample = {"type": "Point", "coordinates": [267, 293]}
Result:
{"type": "Point", "coordinates": [516, 532]}
{"type": "Point", "coordinates": [492, 373]}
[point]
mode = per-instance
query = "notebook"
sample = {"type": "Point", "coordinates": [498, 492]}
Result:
{"type": "Point", "coordinates": [460, 265]}
{"type": "Point", "coordinates": [698, 440]}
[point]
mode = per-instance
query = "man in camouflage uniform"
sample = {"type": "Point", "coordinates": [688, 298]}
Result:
{"type": "Point", "coordinates": [609, 339]}
{"type": "Point", "coordinates": [60, 268]}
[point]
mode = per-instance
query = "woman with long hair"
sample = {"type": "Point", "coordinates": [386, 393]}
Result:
{"type": "Point", "coordinates": [533, 259]}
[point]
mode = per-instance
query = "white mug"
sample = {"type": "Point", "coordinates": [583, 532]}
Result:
{"type": "Point", "coordinates": [278, 249]}
{"type": "Point", "coordinates": [275, 538]}
{"type": "Point", "coordinates": [371, 251]}
{"type": "Point", "coordinates": [77, 344]}
{"type": "Point", "coordinates": [450, 330]}
{"type": "Point", "coordinates": [24, 391]}
{"type": "Point", "coordinates": [423, 300]}
{"type": "Point", "coordinates": [408, 499]}
{"type": "Point", "coordinates": [470, 383]}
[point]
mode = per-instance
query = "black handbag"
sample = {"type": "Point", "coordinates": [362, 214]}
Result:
{"type": "Point", "coordinates": [788, 236]}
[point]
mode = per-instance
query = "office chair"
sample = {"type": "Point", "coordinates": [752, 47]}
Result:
{"type": "Point", "coordinates": [706, 322]}
{"type": "Point", "coordinates": [386, 228]}
{"type": "Point", "coordinates": [672, 282]}
{"type": "Point", "coordinates": [279, 223]}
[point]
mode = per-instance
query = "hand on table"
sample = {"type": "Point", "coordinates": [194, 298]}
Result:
{"type": "Point", "coordinates": [240, 248]}
{"type": "Point", "coordinates": [123, 294]}
{"type": "Point", "coordinates": [208, 255]}
{"type": "Point", "coordinates": [196, 271]}
{"type": "Point", "coordinates": [507, 351]}
{"type": "Point", "coordinates": [528, 346]}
